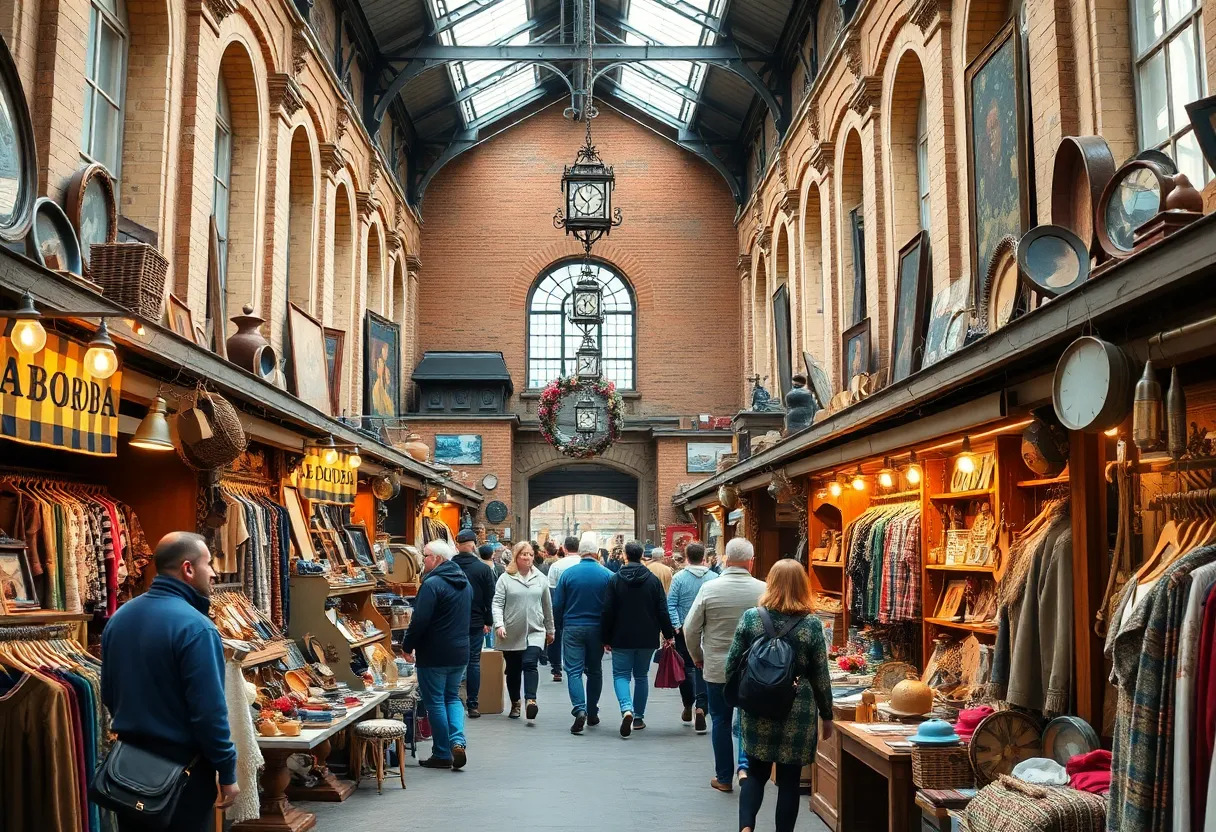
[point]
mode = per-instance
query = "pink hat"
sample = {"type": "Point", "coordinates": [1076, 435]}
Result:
{"type": "Point", "coordinates": [970, 719]}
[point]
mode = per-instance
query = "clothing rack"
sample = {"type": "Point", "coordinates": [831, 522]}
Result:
{"type": "Point", "coordinates": [912, 496]}
{"type": "Point", "coordinates": [1197, 500]}
{"type": "Point", "coordinates": [246, 480]}
{"type": "Point", "coordinates": [30, 474]}
{"type": "Point", "coordinates": [36, 632]}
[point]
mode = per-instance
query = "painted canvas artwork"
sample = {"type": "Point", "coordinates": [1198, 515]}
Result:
{"type": "Point", "coordinates": [381, 366]}
{"type": "Point", "coordinates": [458, 448]}
{"type": "Point", "coordinates": [703, 456]}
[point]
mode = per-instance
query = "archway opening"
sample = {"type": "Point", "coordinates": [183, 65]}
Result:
{"type": "Point", "coordinates": [344, 279]}
{"type": "Point", "coordinates": [780, 300]}
{"type": "Point", "coordinates": [596, 497]}
{"type": "Point", "coordinates": [301, 222]}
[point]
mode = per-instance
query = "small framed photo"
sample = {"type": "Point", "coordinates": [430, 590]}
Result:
{"type": "Point", "coordinates": [16, 580]}
{"type": "Point", "coordinates": [855, 352]}
{"type": "Point", "coordinates": [703, 456]}
{"type": "Point", "coordinates": [181, 322]}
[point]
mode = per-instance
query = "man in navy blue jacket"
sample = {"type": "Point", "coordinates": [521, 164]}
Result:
{"type": "Point", "coordinates": [578, 603]}
{"type": "Point", "coordinates": [481, 579]}
{"type": "Point", "coordinates": [439, 632]}
{"type": "Point", "coordinates": [162, 679]}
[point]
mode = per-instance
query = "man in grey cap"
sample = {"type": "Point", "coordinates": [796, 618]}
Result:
{"type": "Point", "coordinates": [481, 578]}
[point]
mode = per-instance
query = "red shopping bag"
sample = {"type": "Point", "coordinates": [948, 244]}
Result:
{"type": "Point", "coordinates": [671, 668]}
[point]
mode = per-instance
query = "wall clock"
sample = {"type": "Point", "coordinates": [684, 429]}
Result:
{"type": "Point", "coordinates": [489, 482]}
{"type": "Point", "coordinates": [1052, 260]}
{"type": "Point", "coordinates": [496, 511]}
{"type": "Point", "coordinates": [1067, 736]}
{"type": "Point", "coordinates": [1000, 742]}
{"type": "Point", "coordinates": [1092, 387]}
{"type": "Point", "coordinates": [1133, 196]}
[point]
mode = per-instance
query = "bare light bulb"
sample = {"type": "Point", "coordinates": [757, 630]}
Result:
{"type": "Point", "coordinates": [835, 489]}
{"type": "Point", "coordinates": [330, 456]}
{"type": "Point", "coordinates": [885, 479]}
{"type": "Point", "coordinates": [28, 337]}
{"type": "Point", "coordinates": [913, 474]}
{"type": "Point", "coordinates": [354, 461]}
{"type": "Point", "coordinates": [100, 362]}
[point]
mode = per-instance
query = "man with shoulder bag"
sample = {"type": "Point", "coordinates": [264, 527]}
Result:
{"type": "Point", "coordinates": [162, 679]}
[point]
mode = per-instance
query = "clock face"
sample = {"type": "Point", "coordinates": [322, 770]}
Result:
{"type": "Point", "coordinates": [588, 200]}
{"type": "Point", "coordinates": [1082, 385]}
{"type": "Point", "coordinates": [586, 420]}
{"type": "Point", "coordinates": [587, 364]}
{"type": "Point", "coordinates": [586, 304]}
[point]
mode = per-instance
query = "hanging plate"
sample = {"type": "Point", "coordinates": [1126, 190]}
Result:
{"type": "Point", "coordinates": [52, 241]}
{"type": "Point", "coordinates": [1001, 741]}
{"type": "Point", "coordinates": [1067, 736]}
{"type": "Point", "coordinates": [496, 511]}
{"type": "Point", "coordinates": [1002, 298]}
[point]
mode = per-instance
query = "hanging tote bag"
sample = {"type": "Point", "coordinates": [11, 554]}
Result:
{"type": "Point", "coordinates": [671, 668]}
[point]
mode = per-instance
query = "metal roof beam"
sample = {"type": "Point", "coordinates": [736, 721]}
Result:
{"type": "Point", "coordinates": [691, 12]}
{"type": "Point", "coordinates": [460, 14]}
{"type": "Point", "coordinates": [696, 144]}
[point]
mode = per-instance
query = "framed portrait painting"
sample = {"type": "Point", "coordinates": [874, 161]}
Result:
{"type": "Point", "coordinates": [335, 344]}
{"type": "Point", "coordinates": [381, 366]}
{"type": "Point", "coordinates": [17, 587]}
{"type": "Point", "coordinates": [855, 352]}
{"type": "Point", "coordinates": [912, 282]}
{"type": "Point", "coordinates": [996, 147]}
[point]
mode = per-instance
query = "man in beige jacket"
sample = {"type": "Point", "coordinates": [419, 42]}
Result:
{"type": "Point", "coordinates": [654, 562]}
{"type": "Point", "coordinates": [709, 629]}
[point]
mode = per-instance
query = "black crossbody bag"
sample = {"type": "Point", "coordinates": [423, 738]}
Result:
{"type": "Point", "coordinates": [139, 784]}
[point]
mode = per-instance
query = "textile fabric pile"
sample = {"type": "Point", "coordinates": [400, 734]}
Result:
{"type": "Point", "coordinates": [883, 546]}
{"type": "Point", "coordinates": [255, 545]}
{"type": "Point", "coordinates": [87, 548]}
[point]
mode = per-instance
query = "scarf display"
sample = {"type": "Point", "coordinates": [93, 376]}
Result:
{"type": "Point", "coordinates": [240, 696]}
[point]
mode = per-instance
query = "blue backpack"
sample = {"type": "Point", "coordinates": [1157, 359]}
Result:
{"type": "Point", "coordinates": [767, 682]}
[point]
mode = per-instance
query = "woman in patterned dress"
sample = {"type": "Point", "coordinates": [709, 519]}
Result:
{"type": "Point", "coordinates": [787, 743]}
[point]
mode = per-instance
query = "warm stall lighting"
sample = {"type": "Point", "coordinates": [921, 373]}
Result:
{"type": "Point", "coordinates": [1113, 432]}
{"type": "Point", "coordinates": [28, 335]}
{"type": "Point", "coordinates": [329, 454]}
{"type": "Point", "coordinates": [886, 476]}
{"type": "Point", "coordinates": [100, 360]}
{"type": "Point", "coordinates": [859, 480]}
{"type": "Point", "coordinates": [912, 474]}
{"type": "Point", "coordinates": [153, 432]}
{"type": "Point", "coordinates": [835, 488]}
{"type": "Point", "coordinates": [965, 464]}
{"type": "Point", "coordinates": [354, 460]}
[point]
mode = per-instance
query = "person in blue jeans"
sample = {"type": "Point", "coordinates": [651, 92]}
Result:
{"type": "Point", "coordinates": [635, 612]}
{"type": "Point", "coordinates": [578, 604]}
{"type": "Point", "coordinates": [685, 587]}
{"type": "Point", "coordinates": [481, 579]}
{"type": "Point", "coordinates": [439, 635]}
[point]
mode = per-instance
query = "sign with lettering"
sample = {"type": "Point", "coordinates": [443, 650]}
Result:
{"type": "Point", "coordinates": [327, 483]}
{"type": "Point", "coordinates": [50, 399]}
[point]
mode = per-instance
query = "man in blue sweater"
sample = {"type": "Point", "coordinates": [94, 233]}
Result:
{"type": "Point", "coordinates": [439, 632]}
{"type": "Point", "coordinates": [162, 679]}
{"type": "Point", "coordinates": [578, 604]}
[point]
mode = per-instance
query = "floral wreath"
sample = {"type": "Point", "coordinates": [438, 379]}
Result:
{"type": "Point", "coordinates": [578, 447]}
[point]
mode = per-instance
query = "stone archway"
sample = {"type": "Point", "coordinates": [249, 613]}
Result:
{"type": "Point", "coordinates": [538, 465]}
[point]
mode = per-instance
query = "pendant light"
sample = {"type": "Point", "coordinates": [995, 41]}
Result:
{"type": "Point", "coordinates": [835, 488]}
{"type": "Point", "coordinates": [859, 479]}
{"type": "Point", "coordinates": [354, 460]}
{"type": "Point", "coordinates": [329, 453]}
{"type": "Point", "coordinates": [100, 360]}
{"type": "Point", "coordinates": [153, 432]}
{"type": "Point", "coordinates": [965, 464]}
{"type": "Point", "coordinates": [1175, 417]}
{"type": "Point", "coordinates": [912, 474]}
{"type": "Point", "coordinates": [886, 476]}
{"type": "Point", "coordinates": [28, 335]}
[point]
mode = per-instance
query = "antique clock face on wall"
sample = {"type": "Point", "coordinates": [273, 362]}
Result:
{"type": "Point", "coordinates": [586, 305]}
{"type": "Point", "coordinates": [588, 200]}
{"type": "Point", "coordinates": [1091, 389]}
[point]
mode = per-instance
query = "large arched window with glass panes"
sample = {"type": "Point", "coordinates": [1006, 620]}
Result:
{"type": "Point", "coordinates": [105, 76]}
{"type": "Point", "coordinates": [553, 340]}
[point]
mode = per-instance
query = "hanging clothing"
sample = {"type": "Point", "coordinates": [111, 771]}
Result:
{"type": "Point", "coordinates": [1203, 579]}
{"type": "Point", "coordinates": [1203, 810]}
{"type": "Point", "coordinates": [255, 546]}
{"type": "Point", "coordinates": [884, 553]}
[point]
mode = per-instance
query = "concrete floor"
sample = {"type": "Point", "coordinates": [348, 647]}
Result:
{"type": "Point", "coordinates": [544, 778]}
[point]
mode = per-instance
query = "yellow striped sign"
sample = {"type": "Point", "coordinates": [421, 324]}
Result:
{"type": "Point", "coordinates": [327, 483]}
{"type": "Point", "coordinates": [50, 399]}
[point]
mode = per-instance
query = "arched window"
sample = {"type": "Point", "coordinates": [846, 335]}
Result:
{"type": "Point", "coordinates": [222, 189]}
{"type": "Point", "coordinates": [553, 340]}
{"type": "Point", "coordinates": [922, 162]}
{"type": "Point", "coordinates": [1169, 39]}
{"type": "Point", "coordinates": [105, 81]}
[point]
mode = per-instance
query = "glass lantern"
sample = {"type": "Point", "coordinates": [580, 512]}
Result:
{"type": "Point", "coordinates": [586, 416]}
{"type": "Point", "coordinates": [587, 361]}
{"type": "Point", "coordinates": [587, 300]}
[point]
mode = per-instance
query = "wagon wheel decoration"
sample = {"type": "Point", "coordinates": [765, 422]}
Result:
{"type": "Point", "coordinates": [1001, 741]}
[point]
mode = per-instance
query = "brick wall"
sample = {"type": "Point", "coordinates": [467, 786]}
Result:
{"type": "Point", "coordinates": [673, 472]}
{"type": "Point", "coordinates": [488, 236]}
{"type": "Point", "coordinates": [497, 445]}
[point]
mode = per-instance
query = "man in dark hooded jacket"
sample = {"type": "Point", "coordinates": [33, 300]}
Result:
{"type": "Point", "coordinates": [481, 579]}
{"type": "Point", "coordinates": [635, 612]}
{"type": "Point", "coordinates": [439, 632]}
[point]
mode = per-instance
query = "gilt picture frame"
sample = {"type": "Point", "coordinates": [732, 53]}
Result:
{"type": "Point", "coordinates": [855, 355]}
{"type": "Point", "coordinates": [381, 366]}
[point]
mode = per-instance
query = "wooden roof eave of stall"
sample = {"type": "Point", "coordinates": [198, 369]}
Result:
{"type": "Point", "coordinates": [161, 355]}
{"type": "Point", "coordinates": [1153, 290]}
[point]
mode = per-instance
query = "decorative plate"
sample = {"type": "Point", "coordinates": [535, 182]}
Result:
{"type": "Point", "coordinates": [1000, 742]}
{"type": "Point", "coordinates": [496, 511]}
{"type": "Point", "coordinates": [489, 482]}
{"type": "Point", "coordinates": [92, 208]}
{"type": "Point", "coordinates": [889, 674]}
{"type": "Point", "coordinates": [1133, 197]}
{"type": "Point", "coordinates": [1067, 736]}
{"type": "Point", "coordinates": [51, 240]}
{"type": "Point", "coordinates": [1002, 295]}
{"type": "Point", "coordinates": [18, 164]}
{"type": "Point", "coordinates": [1052, 260]}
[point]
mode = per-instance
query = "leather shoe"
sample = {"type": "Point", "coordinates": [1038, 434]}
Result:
{"type": "Point", "coordinates": [474, 713]}
{"type": "Point", "coordinates": [593, 720]}
{"type": "Point", "coordinates": [459, 758]}
{"type": "Point", "coordinates": [699, 723]}
{"type": "Point", "coordinates": [687, 715]}
{"type": "Point", "coordinates": [722, 787]}
{"type": "Point", "coordinates": [639, 725]}
{"type": "Point", "coordinates": [580, 719]}
{"type": "Point", "coordinates": [434, 762]}
{"type": "Point", "coordinates": [533, 710]}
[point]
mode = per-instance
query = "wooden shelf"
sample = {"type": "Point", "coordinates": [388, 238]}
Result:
{"type": "Point", "coordinates": [828, 564]}
{"type": "Point", "coordinates": [363, 642]}
{"type": "Point", "coordinates": [270, 654]}
{"type": "Point", "coordinates": [351, 590]}
{"type": "Point", "coordinates": [941, 567]}
{"type": "Point", "coordinates": [982, 629]}
{"type": "Point", "coordinates": [43, 617]}
{"type": "Point", "coordinates": [964, 495]}
{"type": "Point", "coordinates": [1063, 478]}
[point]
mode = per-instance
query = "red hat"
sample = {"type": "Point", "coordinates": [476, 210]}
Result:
{"type": "Point", "coordinates": [970, 719]}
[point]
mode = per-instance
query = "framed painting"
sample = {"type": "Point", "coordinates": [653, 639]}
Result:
{"type": "Point", "coordinates": [16, 580]}
{"type": "Point", "coordinates": [181, 322]}
{"type": "Point", "coordinates": [855, 352]}
{"type": "Point", "coordinates": [458, 449]}
{"type": "Point", "coordinates": [912, 282]}
{"type": "Point", "coordinates": [678, 537]}
{"type": "Point", "coordinates": [299, 525]}
{"type": "Point", "coordinates": [359, 544]}
{"type": "Point", "coordinates": [818, 380]}
{"type": "Point", "coordinates": [781, 336]}
{"type": "Point", "coordinates": [703, 456]}
{"type": "Point", "coordinates": [307, 353]}
{"type": "Point", "coordinates": [996, 148]}
{"type": "Point", "coordinates": [335, 344]}
{"type": "Point", "coordinates": [381, 366]}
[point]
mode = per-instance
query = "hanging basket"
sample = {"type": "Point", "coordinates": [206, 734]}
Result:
{"type": "Point", "coordinates": [227, 440]}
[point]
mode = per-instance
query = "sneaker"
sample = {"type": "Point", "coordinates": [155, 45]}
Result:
{"type": "Point", "coordinates": [533, 710]}
{"type": "Point", "coordinates": [434, 762]}
{"type": "Point", "coordinates": [626, 724]}
{"type": "Point", "coordinates": [722, 787]}
{"type": "Point", "coordinates": [593, 720]}
{"type": "Point", "coordinates": [687, 715]}
{"type": "Point", "coordinates": [474, 713]}
{"type": "Point", "coordinates": [459, 758]}
{"type": "Point", "coordinates": [580, 719]}
{"type": "Point", "coordinates": [699, 722]}
{"type": "Point", "coordinates": [514, 711]}
{"type": "Point", "coordinates": [639, 724]}
{"type": "Point", "coordinates": [557, 676]}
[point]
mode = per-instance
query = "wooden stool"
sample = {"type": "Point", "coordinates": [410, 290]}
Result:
{"type": "Point", "coordinates": [378, 734]}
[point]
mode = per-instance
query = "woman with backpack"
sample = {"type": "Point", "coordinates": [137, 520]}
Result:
{"type": "Point", "coordinates": [777, 669]}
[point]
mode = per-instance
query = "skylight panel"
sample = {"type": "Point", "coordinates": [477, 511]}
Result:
{"type": "Point", "coordinates": [655, 22]}
{"type": "Point", "coordinates": [653, 93]}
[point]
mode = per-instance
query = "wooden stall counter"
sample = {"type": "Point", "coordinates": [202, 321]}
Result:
{"type": "Point", "coordinates": [874, 786]}
{"type": "Point", "coordinates": [278, 814]}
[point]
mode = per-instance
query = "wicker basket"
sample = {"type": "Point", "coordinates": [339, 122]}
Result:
{"type": "Point", "coordinates": [131, 274]}
{"type": "Point", "coordinates": [942, 768]}
{"type": "Point", "coordinates": [228, 438]}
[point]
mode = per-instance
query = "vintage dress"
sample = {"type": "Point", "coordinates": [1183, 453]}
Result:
{"type": "Point", "coordinates": [793, 739]}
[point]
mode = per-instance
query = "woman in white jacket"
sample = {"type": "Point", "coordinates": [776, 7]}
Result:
{"type": "Point", "coordinates": [523, 624]}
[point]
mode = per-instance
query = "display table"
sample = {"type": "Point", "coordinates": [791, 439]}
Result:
{"type": "Point", "coordinates": [875, 789]}
{"type": "Point", "coordinates": [278, 814]}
